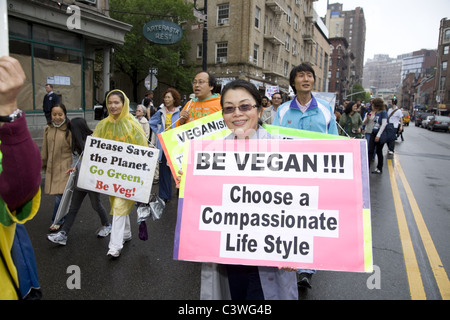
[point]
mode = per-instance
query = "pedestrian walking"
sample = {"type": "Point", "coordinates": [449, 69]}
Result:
{"type": "Point", "coordinates": [50, 99]}
{"type": "Point", "coordinates": [241, 108]}
{"type": "Point", "coordinates": [80, 132]}
{"type": "Point", "coordinates": [141, 112]}
{"type": "Point", "coordinates": [120, 125]}
{"type": "Point", "coordinates": [204, 103]}
{"type": "Point", "coordinates": [165, 119]}
{"type": "Point", "coordinates": [56, 155]}
{"type": "Point", "coordinates": [305, 112]}
{"type": "Point", "coordinates": [380, 122]}
{"type": "Point", "coordinates": [395, 116]}
{"type": "Point", "coordinates": [350, 122]}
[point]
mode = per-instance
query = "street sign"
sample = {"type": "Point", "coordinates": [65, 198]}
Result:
{"type": "Point", "coordinates": [162, 32]}
{"type": "Point", "coordinates": [199, 15]}
{"type": "Point", "coordinates": [151, 82]}
{"type": "Point", "coordinates": [197, 26]}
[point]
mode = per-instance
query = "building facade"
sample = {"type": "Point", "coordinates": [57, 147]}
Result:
{"type": "Point", "coordinates": [350, 25]}
{"type": "Point", "coordinates": [382, 73]}
{"type": "Point", "coordinates": [341, 59]}
{"type": "Point", "coordinates": [442, 83]}
{"type": "Point", "coordinates": [56, 42]}
{"type": "Point", "coordinates": [260, 41]}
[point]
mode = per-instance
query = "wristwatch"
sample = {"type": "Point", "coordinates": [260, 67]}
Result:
{"type": "Point", "coordinates": [12, 117]}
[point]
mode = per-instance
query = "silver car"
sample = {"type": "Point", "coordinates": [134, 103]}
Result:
{"type": "Point", "coordinates": [439, 123]}
{"type": "Point", "coordinates": [426, 121]}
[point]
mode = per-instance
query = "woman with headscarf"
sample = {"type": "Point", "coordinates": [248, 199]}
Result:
{"type": "Point", "coordinates": [120, 125]}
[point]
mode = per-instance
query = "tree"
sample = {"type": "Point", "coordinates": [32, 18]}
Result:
{"type": "Point", "coordinates": [358, 93]}
{"type": "Point", "coordinates": [138, 54]}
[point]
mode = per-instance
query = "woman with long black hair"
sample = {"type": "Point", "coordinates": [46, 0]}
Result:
{"type": "Point", "coordinates": [80, 131]}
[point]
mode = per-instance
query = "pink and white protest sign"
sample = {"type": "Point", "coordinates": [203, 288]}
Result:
{"type": "Point", "coordinates": [297, 203]}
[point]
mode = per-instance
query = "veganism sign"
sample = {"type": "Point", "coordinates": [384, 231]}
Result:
{"type": "Point", "coordinates": [162, 32]}
{"type": "Point", "coordinates": [172, 141]}
{"type": "Point", "coordinates": [276, 203]}
{"type": "Point", "coordinates": [118, 169]}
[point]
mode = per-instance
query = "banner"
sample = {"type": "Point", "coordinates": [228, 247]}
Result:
{"type": "Point", "coordinates": [265, 203]}
{"type": "Point", "coordinates": [291, 133]}
{"type": "Point", "coordinates": [118, 169]}
{"type": "Point", "coordinates": [172, 141]}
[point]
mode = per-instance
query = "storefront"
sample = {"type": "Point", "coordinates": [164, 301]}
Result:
{"type": "Point", "coordinates": [51, 51]}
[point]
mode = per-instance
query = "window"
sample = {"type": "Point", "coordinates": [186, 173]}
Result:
{"type": "Point", "coordinates": [199, 51]}
{"type": "Point", "coordinates": [255, 53]}
{"type": "Point", "coordinates": [288, 16]}
{"type": "Point", "coordinates": [444, 66]}
{"type": "Point", "coordinates": [223, 14]}
{"type": "Point", "coordinates": [294, 47]}
{"type": "Point", "coordinates": [295, 22]}
{"type": "Point", "coordinates": [257, 17]}
{"type": "Point", "coordinates": [287, 43]}
{"type": "Point", "coordinates": [286, 68]}
{"type": "Point", "coordinates": [446, 49]}
{"type": "Point", "coordinates": [447, 35]}
{"type": "Point", "coordinates": [221, 52]}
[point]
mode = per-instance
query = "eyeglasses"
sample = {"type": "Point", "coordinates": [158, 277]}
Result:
{"type": "Point", "coordinates": [200, 82]}
{"type": "Point", "coordinates": [242, 108]}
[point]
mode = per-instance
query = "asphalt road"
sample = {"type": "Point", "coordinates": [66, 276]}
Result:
{"type": "Point", "coordinates": [146, 270]}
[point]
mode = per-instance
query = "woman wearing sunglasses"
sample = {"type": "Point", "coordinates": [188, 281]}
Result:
{"type": "Point", "coordinates": [241, 108]}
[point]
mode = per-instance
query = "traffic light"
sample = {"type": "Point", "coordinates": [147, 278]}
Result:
{"type": "Point", "coordinates": [371, 95]}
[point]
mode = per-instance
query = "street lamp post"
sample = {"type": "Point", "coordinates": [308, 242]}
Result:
{"type": "Point", "coordinates": [205, 34]}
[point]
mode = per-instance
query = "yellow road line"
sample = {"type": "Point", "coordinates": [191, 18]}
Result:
{"type": "Point", "coordinates": [433, 256]}
{"type": "Point", "coordinates": [416, 288]}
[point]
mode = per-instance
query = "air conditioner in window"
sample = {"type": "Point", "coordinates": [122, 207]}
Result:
{"type": "Point", "coordinates": [222, 59]}
{"type": "Point", "coordinates": [88, 1]}
{"type": "Point", "coordinates": [222, 21]}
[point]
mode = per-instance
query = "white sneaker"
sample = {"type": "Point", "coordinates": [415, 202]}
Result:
{"type": "Point", "coordinates": [59, 238]}
{"type": "Point", "coordinates": [113, 253]}
{"type": "Point", "coordinates": [390, 152]}
{"type": "Point", "coordinates": [104, 231]}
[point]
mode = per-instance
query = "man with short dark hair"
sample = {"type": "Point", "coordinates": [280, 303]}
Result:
{"type": "Point", "coordinates": [306, 113]}
{"type": "Point", "coordinates": [50, 99]}
{"type": "Point", "coordinates": [206, 102]}
{"type": "Point", "coordinates": [269, 113]}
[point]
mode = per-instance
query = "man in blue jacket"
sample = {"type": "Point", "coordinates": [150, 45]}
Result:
{"type": "Point", "coordinates": [306, 113]}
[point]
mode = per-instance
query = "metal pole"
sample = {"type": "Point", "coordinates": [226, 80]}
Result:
{"type": "Point", "coordinates": [205, 37]}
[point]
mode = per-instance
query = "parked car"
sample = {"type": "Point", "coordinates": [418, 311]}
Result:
{"type": "Point", "coordinates": [420, 116]}
{"type": "Point", "coordinates": [439, 123]}
{"type": "Point", "coordinates": [406, 118]}
{"type": "Point", "coordinates": [426, 121]}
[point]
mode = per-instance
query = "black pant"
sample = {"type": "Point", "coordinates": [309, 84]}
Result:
{"type": "Point", "coordinates": [379, 150]}
{"type": "Point", "coordinates": [244, 282]}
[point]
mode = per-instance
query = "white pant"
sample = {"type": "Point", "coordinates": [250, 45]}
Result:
{"type": "Point", "coordinates": [120, 230]}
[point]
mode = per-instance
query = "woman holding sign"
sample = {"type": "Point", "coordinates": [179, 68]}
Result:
{"type": "Point", "coordinates": [241, 108]}
{"type": "Point", "coordinates": [120, 125]}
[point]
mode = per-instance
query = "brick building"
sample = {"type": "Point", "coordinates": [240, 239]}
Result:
{"type": "Point", "coordinates": [260, 41]}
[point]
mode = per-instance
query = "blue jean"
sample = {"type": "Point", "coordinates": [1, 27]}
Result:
{"type": "Point", "coordinates": [55, 208]}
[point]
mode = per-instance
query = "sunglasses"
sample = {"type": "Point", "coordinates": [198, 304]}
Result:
{"type": "Point", "coordinates": [242, 108]}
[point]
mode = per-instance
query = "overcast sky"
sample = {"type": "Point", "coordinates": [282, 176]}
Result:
{"type": "Point", "coordinates": [396, 27]}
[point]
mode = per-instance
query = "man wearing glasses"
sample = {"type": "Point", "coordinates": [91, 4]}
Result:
{"type": "Point", "coordinates": [269, 113]}
{"type": "Point", "coordinates": [205, 102]}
